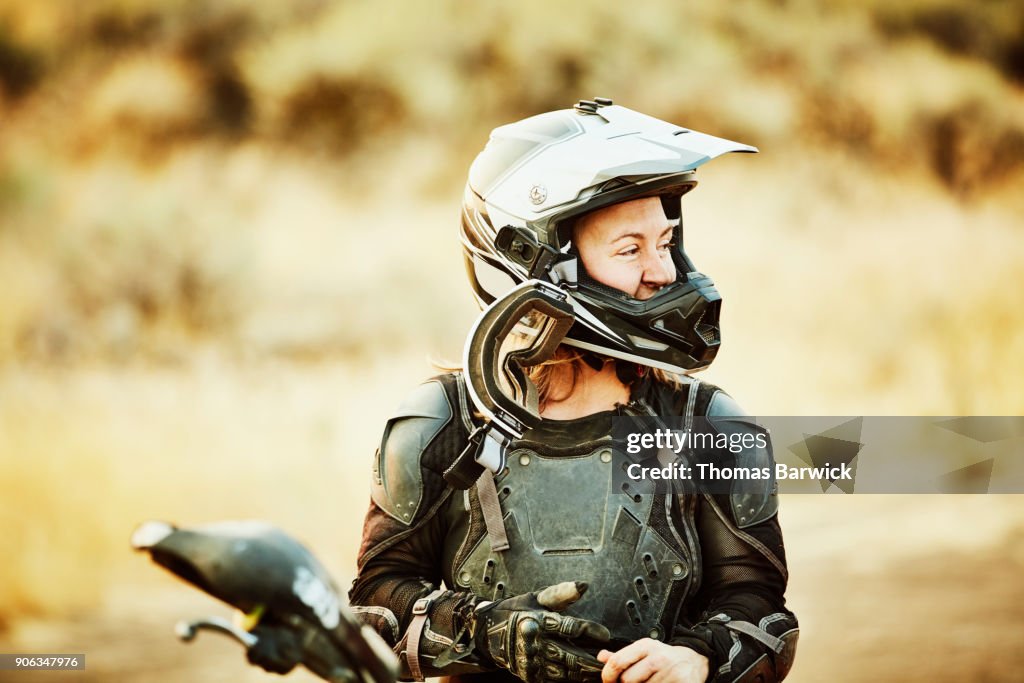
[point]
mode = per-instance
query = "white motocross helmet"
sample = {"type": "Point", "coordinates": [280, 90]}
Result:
{"type": "Point", "coordinates": [536, 176]}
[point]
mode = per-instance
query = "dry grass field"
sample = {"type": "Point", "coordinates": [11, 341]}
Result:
{"type": "Point", "coordinates": [227, 248]}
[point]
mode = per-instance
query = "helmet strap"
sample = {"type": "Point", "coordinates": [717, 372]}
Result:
{"type": "Point", "coordinates": [595, 361]}
{"type": "Point", "coordinates": [629, 373]}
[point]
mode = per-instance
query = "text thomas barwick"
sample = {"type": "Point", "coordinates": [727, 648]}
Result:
{"type": "Point", "coordinates": [709, 471]}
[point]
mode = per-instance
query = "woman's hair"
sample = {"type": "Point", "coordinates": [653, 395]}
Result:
{"type": "Point", "coordinates": [564, 368]}
{"type": "Point", "coordinates": [561, 373]}
{"type": "Point", "coordinates": [566, 362]}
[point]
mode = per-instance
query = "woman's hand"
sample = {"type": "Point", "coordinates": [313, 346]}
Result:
{"type": "Point", "coordinates": [652, 660]}
{"type": "Point", "coordinates": [527, 635]}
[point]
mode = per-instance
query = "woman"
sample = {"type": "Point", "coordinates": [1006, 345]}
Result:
{"type": "Point", "coordinates": [549, 571]}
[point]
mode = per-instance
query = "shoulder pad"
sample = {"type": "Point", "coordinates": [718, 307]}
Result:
{"type": "Point", "coordinates": [748, 507]}
{"type": "Point", "coordinates": [397, 486]}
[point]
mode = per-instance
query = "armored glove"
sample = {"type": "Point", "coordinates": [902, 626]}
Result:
{"type": "Point", "coordinates": [526, 635]}
{"type": "Point", "coordinates": [280, 647]}
{"type": "Point", "coordinates": [277, 649]}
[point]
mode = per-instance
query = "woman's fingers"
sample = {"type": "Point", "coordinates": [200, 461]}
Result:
{"type": "Point", "coordinates": [652, 660]}
{"type": "Point", "coordinates": [616, 663]}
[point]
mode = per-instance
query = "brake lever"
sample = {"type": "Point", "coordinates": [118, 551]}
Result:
{"type": "Point", "coordinates": [320, 660]}
{"type": "Point", "coordinates": [187, 630]}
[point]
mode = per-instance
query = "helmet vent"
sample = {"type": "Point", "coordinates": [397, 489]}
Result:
{"type": "Point", "coordinates": [614, 184]}
{"type": "Point", "coordinates": [709, 333]}
{"type": "Point", "coordinates": [586, 107]}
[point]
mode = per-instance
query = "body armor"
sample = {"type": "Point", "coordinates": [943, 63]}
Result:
{"type": "Point", "coordinates": [638, 574]}
{"type": "Point", "coordinates": [659, 563]}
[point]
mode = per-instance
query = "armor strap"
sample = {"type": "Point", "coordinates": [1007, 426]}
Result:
{"type": "Point", "coordinates": [776, 644]}
{"type": "Point", "coordinates": [491, 508]}
{"type": "Point", "coordinates": [420, 614]}
{"type": "Point", "coordinates": [745, 627]}
{"type": "Point", "coordinates": [691, 404]}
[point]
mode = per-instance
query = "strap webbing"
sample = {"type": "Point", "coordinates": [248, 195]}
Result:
{"type": "Point", "coordinates": [757, 634]}
{"type": "Point", "coordinates": [493, 518]}
{"type": "Point", "coordinates": [420, 614]}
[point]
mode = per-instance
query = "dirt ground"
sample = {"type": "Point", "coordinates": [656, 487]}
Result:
{"type": "Point", "coordinates": [922, 588]}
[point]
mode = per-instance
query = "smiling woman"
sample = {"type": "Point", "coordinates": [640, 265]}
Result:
{"type": "Point", "coordinates": [628, 246]}
{"type": "Point", "coordinates": [669, 585]}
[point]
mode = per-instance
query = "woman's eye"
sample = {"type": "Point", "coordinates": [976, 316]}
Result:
{"type": "Point", "coordinates": [629, 251]}
{"type": "Point", "coordinates": [666, 246]}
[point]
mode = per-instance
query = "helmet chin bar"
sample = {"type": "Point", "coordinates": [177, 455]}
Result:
{"type": "Point", "coordinates": [495, 377]}
{"type": "Point", "coordinates": [639, 360]}
{"type": "Point", "coordinates": [678, 333]}
{"type": "Point", "coordinates": [676, 330]}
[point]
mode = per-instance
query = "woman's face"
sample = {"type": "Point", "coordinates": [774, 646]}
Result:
{"type": "Point", "coordinates": [628, 246]}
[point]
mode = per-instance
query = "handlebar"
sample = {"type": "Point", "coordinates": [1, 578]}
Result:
{"type": "Point", "coordinates": [187, 630]}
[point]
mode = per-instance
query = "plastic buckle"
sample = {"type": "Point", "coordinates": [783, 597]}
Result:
{"type": "Point", "coordinates": [421, 606]}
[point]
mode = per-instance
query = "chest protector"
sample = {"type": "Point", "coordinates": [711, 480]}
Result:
{"type": "Point", "coordinates": [567, 520]}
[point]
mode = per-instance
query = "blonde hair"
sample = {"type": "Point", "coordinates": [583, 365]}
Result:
{"type": "Point", "coordinates": [547, 376]}
{"type": "Point", "coordinates": [563, 368]}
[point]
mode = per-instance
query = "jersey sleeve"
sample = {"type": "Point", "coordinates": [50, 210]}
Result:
{"type": "Point", "coordinates": [400, 559]}
{"type": "Point", "coordinates": [739, 618]}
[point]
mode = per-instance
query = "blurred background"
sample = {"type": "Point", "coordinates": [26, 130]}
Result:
{"type": "Point", "coordinates": [228, 249]}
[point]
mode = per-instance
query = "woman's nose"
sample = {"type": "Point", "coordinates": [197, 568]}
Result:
{"type": "Point", "coordinates": [658, 270]}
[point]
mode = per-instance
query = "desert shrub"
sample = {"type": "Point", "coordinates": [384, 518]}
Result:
{"type": "Point", "coordinates": [21, 68]}
{"type": "Point", "coordinates": [334, 116]}
{"type": "Point", "coordinates": [992, 32]}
